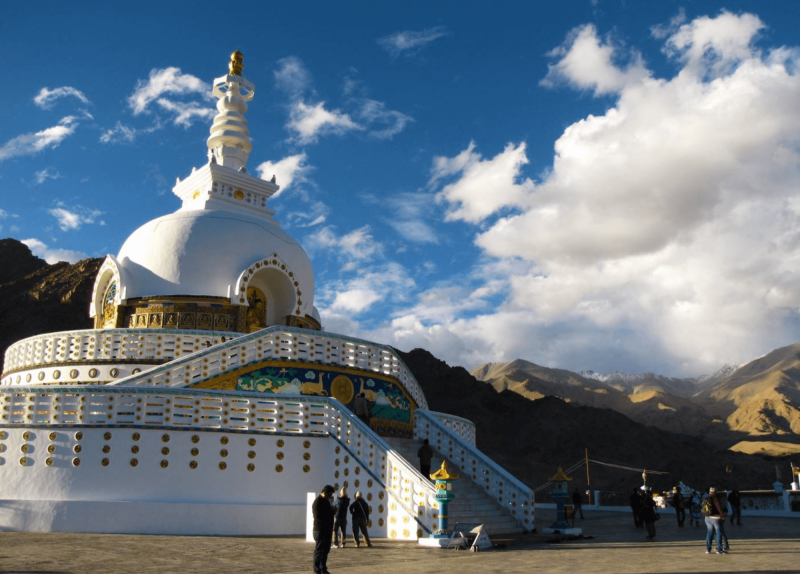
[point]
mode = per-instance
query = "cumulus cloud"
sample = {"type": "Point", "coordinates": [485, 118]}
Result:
{"type": "Point", "coordinates": [587, 62]}
{"type": "Point", "coordinates": [664, 236]}
{"type": "Point", "coordinates": [52, 254]}
{"type": "Point", "coordinates": [292, 76]}
{"type": "Point", "coordinates": [309, 122]}
{"type": "Point", "coordinates": [172, 82]}
{"type": "Point", "coordinates": [74, 217]}
{"type": "Point", "coordinates": [409, 42]}
{"type": "Point", "coordinates": [286, 171]}
{"type": "Point", "coordinates": [46, 97]}
{"type": "Point", "coordinates": [484, 185]}
{"type": "Point", "coordinates": [33, 143]}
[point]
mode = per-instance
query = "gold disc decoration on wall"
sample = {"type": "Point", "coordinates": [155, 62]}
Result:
{"type": "Point", "coordinates": [342, 389]}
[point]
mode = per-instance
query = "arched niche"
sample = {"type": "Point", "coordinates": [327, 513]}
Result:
{"type": "Point", "coordinates": [272, 286]}
{"type": "Point", "coordinates": [107, 294]}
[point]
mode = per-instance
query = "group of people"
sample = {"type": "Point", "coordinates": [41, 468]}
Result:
{"type": "Point", "coordinates": [711, 507]}
{"type": "Point", "coordinates": [330, 519]}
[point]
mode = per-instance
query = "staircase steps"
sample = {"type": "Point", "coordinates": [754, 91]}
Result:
{"type": "Point", "coordinates": [472, 504]}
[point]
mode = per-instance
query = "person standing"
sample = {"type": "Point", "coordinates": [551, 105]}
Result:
{"type": "Point", "coordinates": [340, 518]}
{"type": "Point", "coordinates": [648, 513]}
{"type": "Point", "coordinates": [360, 512]}
{"type": "Point", "coordinates": [715, 521]}
{"type": "Point", "coordinates": [694, 509]}
{"type": "Point", "coordinates": [736, 507]}
{"type": "Point", "coordinates": [361, 408]}
{"type": "Point", "coordinates": [677, 504]}
{"type": "Point", "coordinates": [323, 528]}
{"type": "Point", "coordinates": [636, 507]}
{"type": "Point", "coordinates": [425, 454]}
{"type": "Point", "coordinates": [577, 500]}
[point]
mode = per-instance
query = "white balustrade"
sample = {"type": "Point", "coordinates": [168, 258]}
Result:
{"type": "Point", "coordinates": [410, 504]}
{"type": "Point", "coordinates": [496, 481]}
{"type": "Point", "coordinates": [462, 427]}
{"type": "Point", "coordinates": [198, 355]}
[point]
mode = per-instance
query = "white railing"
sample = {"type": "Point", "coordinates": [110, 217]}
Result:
{"type": "Point", "coordinates": [496, 481]}
{"type": "Point", "coordinates": [462, 427]}
{"type": "Point", "coordinates": [194, 363]}
{"type": "Point", "coordinates": [408, 507]}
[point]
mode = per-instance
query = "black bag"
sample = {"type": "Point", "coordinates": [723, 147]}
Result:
{"type": "Point", "coordinates": [658, 517]}
{"type": "Point", "coordinates": [707, 507]}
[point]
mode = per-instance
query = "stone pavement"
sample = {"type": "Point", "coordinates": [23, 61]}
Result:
{"type": "Point", "coordinates": [770, 545]}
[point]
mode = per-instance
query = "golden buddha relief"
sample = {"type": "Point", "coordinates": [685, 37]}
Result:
{"type": "Point", "coordinates": [257, 310]}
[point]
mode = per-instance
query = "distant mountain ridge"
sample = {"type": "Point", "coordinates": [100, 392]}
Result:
{"type": "Point", "coordinates": [643, 382]}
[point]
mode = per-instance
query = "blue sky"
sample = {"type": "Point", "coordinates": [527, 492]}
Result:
{"type": "Point", "coordinates": [596, 185]}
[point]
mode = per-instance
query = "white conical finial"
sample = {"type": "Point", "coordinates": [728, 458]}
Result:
{"type": "Point", "coordinates": [230, 141]}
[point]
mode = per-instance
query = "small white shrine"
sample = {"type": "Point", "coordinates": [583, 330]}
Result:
{"type": "Point", "coordinates": [208, 400]}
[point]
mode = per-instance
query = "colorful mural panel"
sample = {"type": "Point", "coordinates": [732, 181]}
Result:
{"type": "Point", "coordinates": [390, 406]}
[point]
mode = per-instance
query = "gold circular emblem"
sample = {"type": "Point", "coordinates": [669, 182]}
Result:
{"type": "Point", "coordinates": [342, 389]}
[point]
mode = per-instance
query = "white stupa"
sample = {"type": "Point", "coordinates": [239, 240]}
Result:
{"type": "Point", "coordinates": [207, 399]}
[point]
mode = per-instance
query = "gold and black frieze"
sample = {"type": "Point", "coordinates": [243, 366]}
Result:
{"type": "Point", "coordinates": [215, 314]}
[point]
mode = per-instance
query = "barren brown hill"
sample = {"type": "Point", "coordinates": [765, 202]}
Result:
{"type": "Point", "coordinates": [646, 403]}
{"type": "Point", "coordinates": [762, 398]}
{"type": "Point", "coordinates": [39, 298]}
{"type": "Point", "coordinates": [532, 437]}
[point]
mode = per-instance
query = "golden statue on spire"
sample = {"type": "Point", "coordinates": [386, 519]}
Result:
{"type": "Point", "coordinates": [236, 64]}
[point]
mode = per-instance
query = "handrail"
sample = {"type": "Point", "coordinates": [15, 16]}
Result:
{"type": "Point", "coordinates": [507, 490]}
{"type": "Point", "coordinates": [465, 428]}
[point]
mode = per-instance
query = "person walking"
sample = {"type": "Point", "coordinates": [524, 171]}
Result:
{"type": "Point", "coordinates": [340, 518]}
{"type": "Point", "coordinates": [323, 528]}
{"type": "Point", "coordinates": [677, 504]}
{"type": "Point", "coordinates": [649, 513]}
{"type": "Point", "coordinates": [577, 500]}
{"type": "Point", "coordinates": [425, 454]}
{"type": "Point", "coordinates": [360, 513]}
{"type": "Point", "coordinates": [736, 507]}
{"type": "Point", "coordinates": [715, 521]}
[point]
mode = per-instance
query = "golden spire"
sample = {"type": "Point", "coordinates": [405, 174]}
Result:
{"type": "Point", "coordinates": [237, 64]}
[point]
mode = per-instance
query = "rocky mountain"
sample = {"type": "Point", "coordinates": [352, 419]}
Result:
{"type": "Point", "coordinates": [761, 398]}
{"type": "Point", "coordinates": [650, 382]}
{"type": "Point", "coordinates": [36, 297]}
{"type": "Point", "coordinates": [532, 437]}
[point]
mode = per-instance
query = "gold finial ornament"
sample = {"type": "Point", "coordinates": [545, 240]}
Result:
{"type": "Point", "coordinates": [559, 476]}
{"type": "Point", "coordinates": [236, 64]}
{"type": "Point", "coordinates": [444, 473]}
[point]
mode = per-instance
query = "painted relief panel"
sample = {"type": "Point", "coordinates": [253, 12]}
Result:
{"type": "Point", "coordinates": [390, 406]}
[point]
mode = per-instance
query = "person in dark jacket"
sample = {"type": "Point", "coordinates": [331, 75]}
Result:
{"type": "Point", "coordinates": [425, 454]}
{"type": "Point", "coordinates": [636, 507]}
{"type": "Point", "coordinates": [677, 504]}
{"type": "Point", "coordinates": [649, 513]}
{"type": "Point", "coordinates": [360, 512]}
{"type": "Point", "coordinates": [736, 507]}
{"type": "Point", "coordinates": [577, 501]}
{"type": "Point", "coordinates": [340, 518]}
{"type": "Point", "coordinates": [323, 528]}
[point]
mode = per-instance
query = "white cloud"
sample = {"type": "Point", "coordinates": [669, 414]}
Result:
{"type": "Point", "coordinates": [286, 171]}
{"type": "Point", "coordinates": [51, 254]}
{"type": "Point", "coordinates": [412, 215]}
{"type": "Point", "coordinates": [45, 174]}
{"type": "Point", "coordinates": [169, 82]}
{"type": "Point", "coordinates": [46, 97]}
{"type": "Point", "coordinates": [292, 76]}
{"type": "Point", "coordinates": [586, 62]}
{"type": "Point", "coordinates": [185, 113]}
{"type": "Point", "coordinates": [74, 217]}
{"type": "Point", "coordinates": [166, 81]}
{"type": "Point", "coordinates": [410, 42]}
{"type": "Point", "coordinates": [311, 121]}
{"type": "Point", "coordinates": [374, 113]}
{"type": "Point", "coordinates": [355, 300]}
{"type": "Point", "coordinates": [122, 133]}
{"type": "Point", "coordinates": [31, 144]}
{"type": "Point", "coordinates": [664, 237]}
{"type": "Point", "coordinates": [485, 185]}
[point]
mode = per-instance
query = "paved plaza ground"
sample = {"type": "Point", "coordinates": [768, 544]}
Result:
{"type": "Point", "coordinates": [761, 545]}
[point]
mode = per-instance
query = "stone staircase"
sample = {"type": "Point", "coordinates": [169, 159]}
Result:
{"type": "Point", "coordinates": [472, 504]}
